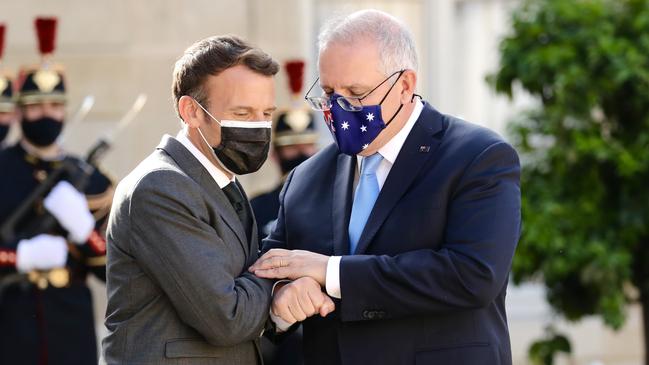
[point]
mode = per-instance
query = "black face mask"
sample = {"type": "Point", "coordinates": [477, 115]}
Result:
{"type": "Point", "coordinates": [244, 145]}
{"type": "Point", "coordinates": [243, 150]}
{"type": "Point", "coordinates": [4, 130]}
{"type": "Point", "coordinates": [41, 132]}
{"type": "Point", "coordinates": [289, 164]}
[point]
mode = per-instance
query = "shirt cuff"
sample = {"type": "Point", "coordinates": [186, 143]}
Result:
{"type": "Point", "coordinates": [280, 324]}
{"type": "Point", "coordinates": [332, 280]}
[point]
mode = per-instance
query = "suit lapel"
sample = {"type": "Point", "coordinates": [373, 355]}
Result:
{"type": "Point", "coordinates": [419, 147]}
{"type": "Point", "coordinates": [342, 202]}
{"type": "Point", "coordinates": [227, 211]}
{"type": "Point", "coordinates": [189, 164]}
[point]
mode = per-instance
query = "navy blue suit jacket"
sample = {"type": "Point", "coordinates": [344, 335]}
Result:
{"type": "Point", "coordinates": [428, 280]}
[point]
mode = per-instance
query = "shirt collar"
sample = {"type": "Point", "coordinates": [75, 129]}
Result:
{"type": "Point", "coordinates": [391, 149]}
{"type": "Point", "coordinates": [218, 175]}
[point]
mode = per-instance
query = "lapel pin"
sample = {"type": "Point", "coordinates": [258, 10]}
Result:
{"type": "Point", "coordinates": [424, 149]}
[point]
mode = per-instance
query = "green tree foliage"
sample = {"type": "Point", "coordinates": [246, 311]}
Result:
{"type": "Point", "coordinates": [542, 352]}
{"type": "Point", "coordinates": [585, 151]}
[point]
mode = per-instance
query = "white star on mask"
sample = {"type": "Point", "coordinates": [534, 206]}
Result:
{"type": "Point", "coordinates": [363, 128]}
{"type": "Point", "coordinates": [365, 146]}
{"type": "Point", "coordinates": [344, 126]}
{"type": "Point", "coordinates": [370, 117]}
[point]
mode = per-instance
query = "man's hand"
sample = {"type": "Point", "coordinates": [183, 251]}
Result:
{"type": "Point", "coordinates": [300, 299]}
{"type": "Point", "coordinates": [291, 264]}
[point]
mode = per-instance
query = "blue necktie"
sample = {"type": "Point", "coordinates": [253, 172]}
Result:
{"type": "Point", "coordinates": [366, 193]}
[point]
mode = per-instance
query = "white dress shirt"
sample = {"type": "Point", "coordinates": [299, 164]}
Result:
{"type": "Point", "coordinates": [218, 175]}
{"type": "Point", "coordinates": [389, 151]}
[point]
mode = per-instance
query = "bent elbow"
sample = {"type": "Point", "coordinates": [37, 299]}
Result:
{"type": "Point", "coordinates": [230, 334]}
{"type": "Point", "coordinates": [483, 298]}
{"type": "Point", "coordinates": [221, 341]}
{"type": "Point", "coordinates": [484, 291]}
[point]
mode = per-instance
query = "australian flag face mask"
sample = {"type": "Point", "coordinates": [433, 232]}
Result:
{"type": "Point", "coordinates": [353, 125]}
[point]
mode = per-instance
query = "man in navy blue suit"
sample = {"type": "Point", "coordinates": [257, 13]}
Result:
{"type": "Point", "coordinates": [409, 221]}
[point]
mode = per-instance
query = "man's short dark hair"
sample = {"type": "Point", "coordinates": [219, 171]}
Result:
{"type": "Point", "coordinates": [212, 56]}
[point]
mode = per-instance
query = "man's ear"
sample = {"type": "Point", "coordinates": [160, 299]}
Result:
{"type": "Point", "coordinates": [188, 111]}
{"type": "Point", "coordinates": [409, 84]}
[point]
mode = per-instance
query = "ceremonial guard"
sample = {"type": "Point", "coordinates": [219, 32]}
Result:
{"type": "Point", "coordinates": [294, 141]}
{"type": "Point", "coordinates": [7, 102]}
{"type": "Point", "coordinates": [52, 217]}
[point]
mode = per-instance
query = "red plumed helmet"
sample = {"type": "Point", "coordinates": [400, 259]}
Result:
{"type": "Point", "coordinates": [46, 31]}
{"type": "Point", "coordinates": [295, 70]}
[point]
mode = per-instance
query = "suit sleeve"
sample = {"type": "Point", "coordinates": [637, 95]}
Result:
{"type": "Point", "coordinates": [472, 265]}
{"type": "Point", "coordinates": [187, 257]}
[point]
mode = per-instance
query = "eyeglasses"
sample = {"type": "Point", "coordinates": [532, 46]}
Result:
{"type": "Point", "coordinates": [348, 103]}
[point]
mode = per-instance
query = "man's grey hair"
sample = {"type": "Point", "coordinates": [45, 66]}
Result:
{"type": "Point", "coordinates": [395, 42]}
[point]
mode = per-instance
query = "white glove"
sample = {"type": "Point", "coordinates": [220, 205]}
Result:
{"type": "Point", "coordinates": [41, 252]}
{"type": "Point", "coordinates": [70, 208]}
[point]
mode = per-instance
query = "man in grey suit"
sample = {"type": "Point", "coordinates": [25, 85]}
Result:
{"type": "Point", "coordinates": [181, 233]}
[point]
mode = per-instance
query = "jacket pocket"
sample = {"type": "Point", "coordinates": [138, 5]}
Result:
{"type": "Point", "coordinates": [189, 347]}
{"type": "Point", "coordinates": [470, 353]}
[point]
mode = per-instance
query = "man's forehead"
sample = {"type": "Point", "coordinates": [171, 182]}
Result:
{"type": "Point", "coordinates": [352, 80]}
{"type": "Point", "coordinates": [242, 90]}
{"type": "Point", "coordinates": [357, 84]}
{"type": "Point", "coordinates": [239, 74]}
{"type": "Point", "coordinates": [342, 66]}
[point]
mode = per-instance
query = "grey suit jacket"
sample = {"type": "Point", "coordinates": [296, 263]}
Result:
{"type": "Point", "coordinates": [178, 287]}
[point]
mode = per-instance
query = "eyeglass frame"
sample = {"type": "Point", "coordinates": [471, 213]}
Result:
{"type": "Point", "coordinates": [312, 104]}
